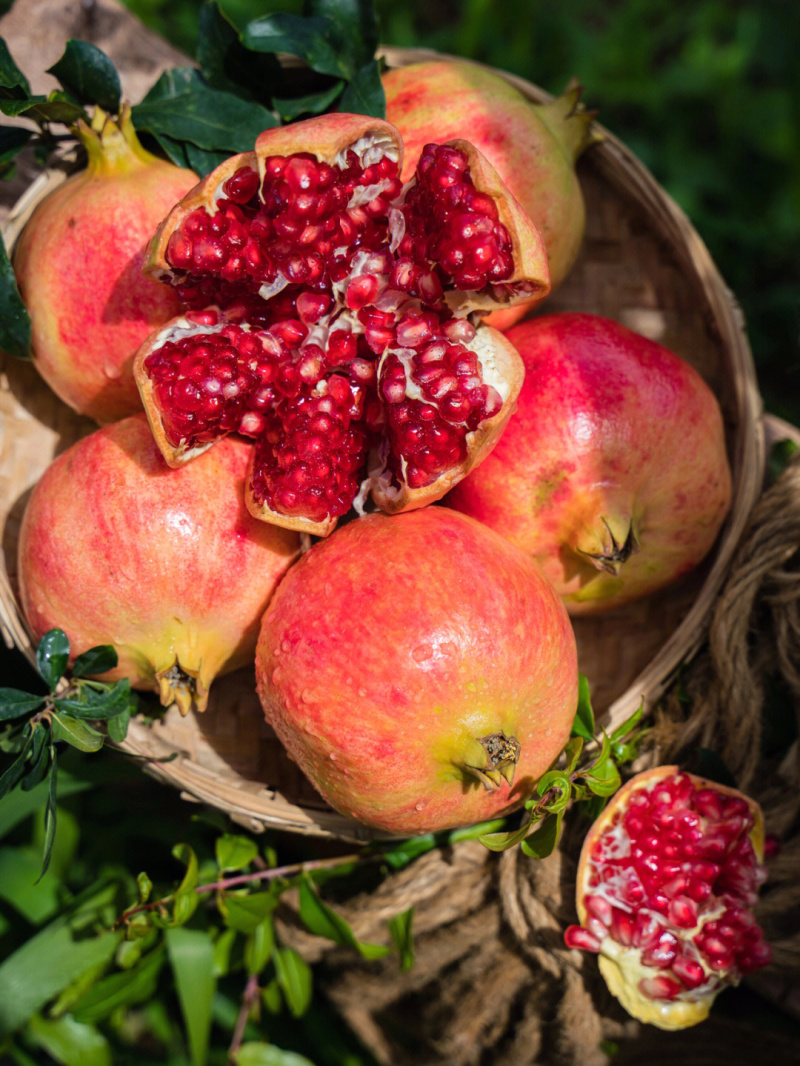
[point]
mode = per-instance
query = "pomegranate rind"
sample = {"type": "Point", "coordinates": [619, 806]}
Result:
{"type": "Point", "coordinates": [623, 971]}
{"type": "Point", "coordinates": [393, 647]}
{"type": "Point", "coordinates": [509, 368]}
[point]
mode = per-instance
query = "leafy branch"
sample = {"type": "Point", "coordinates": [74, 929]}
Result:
{"type": "Point", "coordinates": [589, 782]}
{"type": "Point", "coordinates": [33, 724]}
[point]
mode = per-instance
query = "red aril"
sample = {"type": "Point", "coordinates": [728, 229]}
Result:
{"type": "Point", "coordinates": [78, 265]}
{"type": "Point", "coordinates": [533, 147]}
{"type": "Point", "coordinates": [667, 881]}
{"type": "Point", "coordinates": [166, 565]}
{"type": "Point", "coordinates": [613, 474]}
{"type": "Point", "coordinates": [419, 670]}
{"type": "Point", "coordinates": [331, 318]}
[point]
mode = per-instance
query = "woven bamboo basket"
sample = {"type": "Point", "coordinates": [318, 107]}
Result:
{"type": "Point", "coordinates": [641, 263]}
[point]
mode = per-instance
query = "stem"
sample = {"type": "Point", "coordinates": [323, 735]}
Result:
{"type": "Point", "coordinates": [251, 992]}
{"type": "Point", "coordinates": [269, 874]}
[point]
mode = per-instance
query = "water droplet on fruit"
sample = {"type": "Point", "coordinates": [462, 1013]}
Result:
{"type": "Point", "coordinates": [418, 806]}
{"type": "Point", "coordinates": [276, 676]}
{"type": "Point", "coordinates": [112, 371]}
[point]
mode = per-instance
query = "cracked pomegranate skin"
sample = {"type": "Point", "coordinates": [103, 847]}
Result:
{"type": "Point", "coordinates": [392, 647]}
{"type": "Point", "coordinates": [613, 474]}
{"type": "Point", "coordinates": [115, 547]}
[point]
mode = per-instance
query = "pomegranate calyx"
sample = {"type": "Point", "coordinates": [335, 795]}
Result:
{"type": "Point", "coordinates": [616, 546]}
{"type": "Point", "coordinates": [185, 688]}
{"type": "Point", "coordinates": [570, 122]}
{"type": "Point", "coordinates": [499, 760]}
{"type": "Point", "coordinates": [111, 143]}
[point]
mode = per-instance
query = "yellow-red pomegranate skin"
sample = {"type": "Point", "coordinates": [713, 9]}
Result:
{"type": "Point", "coordinates": [78, 264]}
{"type": "Point", "coordinates": [613, 435]}
{"type": "Point", "coordinates": [167, 565]}
{"type": "Point", "coordinates": [393, 646]}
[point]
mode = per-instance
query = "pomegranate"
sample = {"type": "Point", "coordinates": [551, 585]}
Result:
{"type": "Point", "coordinates": [613, 474]}
{"type": "Point", "coordinates": [667, 881]}
{"type": "Point", "coordinates": [78, 266]}
{"type": "Point", "coordinates": [166, 565]}
{"type": "Point", "coordinates": [329, 318]}
{"type": "Point", "coordinates": [419, 670]}
{"type": "Point", "coordinates": [532, 146]}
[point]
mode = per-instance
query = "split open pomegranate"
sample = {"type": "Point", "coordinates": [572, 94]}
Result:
{"type": "Point", "coordinates": [333, 314]}
{"type": "Point", "coordinates": [667, 881]}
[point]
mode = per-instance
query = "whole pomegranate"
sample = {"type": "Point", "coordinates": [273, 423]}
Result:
{"type": "Point", "coordinates": [667, 881]}
{"type": "Point", "coordinates": [613, 474]}
{"type": "Point", "coordinates": [419, 670]}
{"type": "Point", "coordinates": [78, 265]}
{"type": "Point", "coordinates": [532, 146]}
{"type": "Point", "coordinates": [166, 565]}
{"type": "Point", "coordinates": [331, 320]}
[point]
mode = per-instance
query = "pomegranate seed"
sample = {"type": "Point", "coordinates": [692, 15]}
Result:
{"type": "Point", "coordinates": [660, 987]}
{"type": "Point", "coordinates": [575, 936]}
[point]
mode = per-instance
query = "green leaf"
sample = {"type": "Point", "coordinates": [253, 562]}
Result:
{"type": "Point", "coordinates": [255, 1053]}
{"type": "Point", "coordinates": [12, 81]}
{"type": "Point", "coordinates": [292, 108]}
{"type": "Point", "coordinates": [183, 107]}
{"type": "Point", "coordinates": [259, 947]}
{"type": "Point", "coordinates": [322, 920]}
{"type": "Point", "coordinates": [118, 725]}
{"type": "Point", "coordinates": [97, 660]}
{"type": "Point", "coordinates": [559, 781]}
{"type": "Point", "coordinates": [364, 94]}
{"type": "Point", "coordinates": [544, 841]}
{"type": "Point", "coordinates": [572, 753]}
{"type": "Point", "coordinates": [39, 758]}
{"type": "Point", "coordinates": [245, 913]}
{"type": "Point", "coordinates": [52, 656]}
{"type": "Point", "coordinates": [400, 928]}
{"type": "Point", "coordinates": [358, 25]}
{"type": "Point", "coordinates": [13, 773]}
{"type": "Point", "coordinates": [271, 996]}
{"type": "Point", "coordinates": [191, 955]}
{"type": "Point", "coordinates": [50, 813]}
{"type": "Point", "coordinates": [583, 723]}
{"type": "Point", "coordinates": [628, 726]}
{"type": "Point", "coordinates": [504, 840]}
{"type": "Point", "coordinates": [36, 900]}
{"type": "Point", "coordinates": [780, 455]}
{"type": "Point", "coordinates": [317, 40]}
{"type": "Point", "coordinates": [67, 947]}
{"type": "Point", "coordinates": [12, 140]}
{"type": "Point", "coordinates": [295, 978]}
{"type": "Point", "coordinates": [69, 1042]}
{"type": "Point", "coordinates": [135, 985]}
{"type": "Point", "coordinates": [185, 898]}
{"type": "Point", "coordinates": [397, 856]}
{"type": "Point", "coordinates": [235, 852]}
{"type": "Point", "coordinates": [89, 75]}
{"type": "Point", "coordinates": [145, 886]}
{"type": "Point", "coordinates": [604, 778]}
{"type": "Point", "coordinates": [15, 704]}
{"type": "Point", "coordinates": [76, 733]}
{"type": "Point", "coordinates": [96, 701]}
{"type": "Point", "coordinates": [15, 322]}
{"type": "Point", "coordinates": [226, 64]}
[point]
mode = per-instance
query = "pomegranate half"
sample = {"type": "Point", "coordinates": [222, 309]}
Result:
{"type": "Point", "coordinates": [613, 474]}
{"type": "Point", "coordinates": [667, 881]}
{"type": "Point", "coordinates": [419, 670]}
{"type": "Point", "coordinates": [330, 318]}
{"type": "Point", "coordinates": [78, 265]}
{"type": "Point", "coordinates": [166, 565]}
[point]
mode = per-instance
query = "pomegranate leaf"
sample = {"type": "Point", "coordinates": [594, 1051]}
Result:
{"type": "Point", "coordinates": [191, 956]}
{"type": "Point", "coordinates": [295, 980]}
{"type": "Point", "coordinates": [364, 95]}
{"type": "Point", "coordinates": [13, 83]}
{"type": "Point", "coordinates": [316, 39]}
{"type": "Point", "coordinates": [52, 656]}
{"type": "Point", "coordinates": [544, 840]}
{"type": "Point", "coordinates": [15, 322]}
{"type": "Point", "coordinates": [76, 733]}
{"type": "Point", "coordinates": [227, 64]}
{"type": "Point", "coordinates": [321, 919]}
{"type": "Point", "coordinates": [357, 22]}
{"type": "Point", "coordinates": [259, 947]}
{"type": "Point", "coordinates": [49, 814]}
{"type": "Point", "coordinates": [400, 928]}
{"type": "Point", "coordinates": [14, 772]}
{"type": "Point", "coordinates": [39, 759]}
{"type": "Point", "coordinates": [95, 660]}
{"type": "Point", "coordinates": [246, 913]}
{"type": "Point", "coordinates": [234, 852]}
{"type": "Point", "coordinates": [12, 140]}
{"type": "Point", "coordinates": [129, 987]}
{"type": "Point", "coordinates": [291, 108]}
{"type": "Point", "coordinates": [96, 701]}
{"type": "Point", "coordinates": [503, 841]}
{"type": "Point", "coordinates": [15, 704]}
{"type": "Point", "coordinates": [583, 725]}
{"type": "Point", "coordinates": [558, 783]}
{"type": "Point", "coordinates": [88, 75]}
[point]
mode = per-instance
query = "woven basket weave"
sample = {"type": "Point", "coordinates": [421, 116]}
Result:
{"type": "Point", "coordinates": [641, 263]}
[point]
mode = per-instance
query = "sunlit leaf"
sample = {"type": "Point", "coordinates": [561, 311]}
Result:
{"type": "Point", "coordinates": [321, 919]}
{"type": "Point", "coordinates": [89, 75]}
{"type": "Point", "coordinates": [69, 1041]}
{"type": "Point", "coordinates": [122, 989]}
{"type": "Point", "coordinates": [78, 734]}
{"type": "Point", "coordinates": [234, 852]}
{"type": "Point", "coordinates": [246, 912]}
{"type": "Point", "coordinates": [52, 656]}
{"type": "Point", "coordinates": [258, 1054]}
{"type": "Point", "coordinates": [95, 660]}
{"type": "Point", "coordinates": [544, 840]}
{"type": "Point", "coordinates": [400, 928]}
{"type": "Point", "coordinates": [259, 946]}
{"type": "Point", "coordinates": [583, 723]}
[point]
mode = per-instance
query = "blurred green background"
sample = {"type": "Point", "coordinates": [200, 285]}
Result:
{"type": "Point", "coordinates": [706, 93]}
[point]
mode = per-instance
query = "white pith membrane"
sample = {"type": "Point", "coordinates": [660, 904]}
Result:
{"type": "Point", "coordinates": [373, 269]}
{"type": "Point", "coordinates": [622, 929]}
